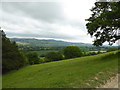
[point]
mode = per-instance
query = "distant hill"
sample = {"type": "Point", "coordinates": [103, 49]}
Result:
{"type": "Point", "coordinates": [45, 43]}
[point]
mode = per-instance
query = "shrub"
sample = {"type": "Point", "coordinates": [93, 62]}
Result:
{"type": "Point", "coordinates": [26, 62]}
{"type": "Point", "coordinates": [42, 55]}
{"type": "Point", "coordinates": [53, 56]}
{"type": "Point", "coordinates": [72, 52]}
{"type": "Point", "coordinates": [33, 58]}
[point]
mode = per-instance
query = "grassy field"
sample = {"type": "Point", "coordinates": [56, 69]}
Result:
{"type": "Point", "coordinates": [21, 43]}
{"type": "Point", "coordinates": [84, 72]}
{"type": "Point", "coordinates": [98, 51]}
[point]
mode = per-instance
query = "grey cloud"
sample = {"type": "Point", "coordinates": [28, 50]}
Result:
{"type": "Point", "coordinates": [46, 11]}
{"type": "Point", "coordinates": [41, 35]}
{"type": "Point", "coordinates": [72, 23]}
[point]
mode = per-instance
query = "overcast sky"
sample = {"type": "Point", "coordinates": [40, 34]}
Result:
{"type": "Point", "coordinates": [60, 20]}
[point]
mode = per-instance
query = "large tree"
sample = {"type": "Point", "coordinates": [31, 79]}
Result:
{"type": "Point", "coordinates": [12, 59]}
{"type": "Point", "coordinates": [104, 22]}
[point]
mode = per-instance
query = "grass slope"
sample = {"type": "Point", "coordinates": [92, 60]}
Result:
{"type": "Point", "coordinates": [84, 72]}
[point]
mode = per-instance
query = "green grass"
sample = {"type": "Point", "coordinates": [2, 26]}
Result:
{"type": "Point", "coordinates": [84, 72]}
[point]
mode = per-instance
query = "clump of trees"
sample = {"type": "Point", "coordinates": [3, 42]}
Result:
{"type": "Point", "coordinates": [67, 53]}
{"type": "Point", "coordinates": [72, 52]}
{"type": "Point", "coordinates": [33, 58]}
{"type": "Point", "coordinates": [53, 56]}
{"type": "Point", "coordinates": [12, 59]}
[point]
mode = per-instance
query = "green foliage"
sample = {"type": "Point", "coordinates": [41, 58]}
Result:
{"type": "Point", "coordinates": [89, 53]}
{"type": "Point", "coordinates": [93, 53]}
{"type": "Point", "coordinates": [113, 49]}
{"type": "Point", "coordinates": [72, 52]}
{"type": "Point", "coordinates": [33, 58]}
{"type": "Point", "coordinates": [12, 59]}
{"type": "Point", "coordinates": [53, 56]}
{"type": "Point", "coordinates": [104, 23]}
{"type": "Point", "coordinates": [42, 55]}
{"type": "Point", "coordinates": [42, 60]}
{"type": "Point", "coordinates": [72, 73]}
{"type": "Point", "coordinates": [26, 62]}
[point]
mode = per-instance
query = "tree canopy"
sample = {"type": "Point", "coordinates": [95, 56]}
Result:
{"type": "Point", "coordinates": [33, 58]}
{"type": "Point", "coordinates": [72, 52]}
{"type": "Point", "coordinates": [104, 23]}
{"type": "Point", "coordinates": [12, 59]}
{"type": "Point", "coordinates": [53, 56]}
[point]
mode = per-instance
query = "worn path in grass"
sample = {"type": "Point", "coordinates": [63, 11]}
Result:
{"type": "Point", "coordinates": [112, 83]}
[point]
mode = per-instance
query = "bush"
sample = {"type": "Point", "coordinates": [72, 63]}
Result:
{"type": "Point", "coordinates": [42, 55]}
{"type": "Point", "coordinates": [33, 58]}
{"type": "Point", "coordinates": [42, 59]}
{"type": "Point", "coordinates": [72, 52]}
{"type": "Point", "coordinates": [53, 56]}
{"type": "Point", "coordinates": [26, 62]}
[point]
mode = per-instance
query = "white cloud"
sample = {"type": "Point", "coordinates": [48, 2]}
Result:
{"type": "Point", "coordinates": [63, 20]}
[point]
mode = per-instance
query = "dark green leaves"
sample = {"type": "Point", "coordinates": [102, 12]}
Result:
{"type": "Point", "coordinates": [104, 23]}
{"type": "Point", "coordinates": [72, 52]}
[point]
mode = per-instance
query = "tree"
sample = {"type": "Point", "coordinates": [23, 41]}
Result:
{"type": "Point", "coordinates": [12, 59]}
{"type": "Point", "coordinates": [53, 56]}
{"type": "Point", "coordinates": [104, 23]}
{"type": "Point", "coordinates": [33, 58]}
{"type": "Point", "coordinates": [113, 49]}
{"type": "Point", "coordinates": [72, 52]}
{"type": "Point", "coordinates": [26, 62]}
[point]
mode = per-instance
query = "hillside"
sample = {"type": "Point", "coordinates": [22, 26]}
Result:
{"type": "Point", "coordinates": [84, 72]}
{"type": "Point", "coordinates": [45, 43]}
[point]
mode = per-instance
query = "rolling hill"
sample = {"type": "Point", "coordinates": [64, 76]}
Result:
{"type": "Point", "coordinates": [45, 43]}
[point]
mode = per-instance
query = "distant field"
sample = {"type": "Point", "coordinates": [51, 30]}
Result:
{"type": "Point", "coordinates": [21, 43]}
{"type": "Point", "coordinates": [84, 72]}
{"type": "Point", "coordinates": [97, 51]}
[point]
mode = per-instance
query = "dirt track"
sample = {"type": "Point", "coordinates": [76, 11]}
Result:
{"type": "Point", "coordinates": [112, 83]}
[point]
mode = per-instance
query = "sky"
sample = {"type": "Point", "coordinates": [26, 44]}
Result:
{"type": "Point", "coordinates": [47, 19]}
